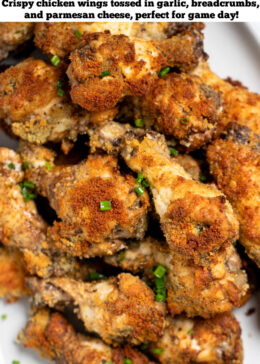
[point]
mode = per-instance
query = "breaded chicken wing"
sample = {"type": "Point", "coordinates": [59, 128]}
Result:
{"type": "Point", "coordinates": [118, 309]}
{"type": "Point", "coordinates": [54, 338]}
{"type": "Point", "coordinates": [35, 106]}
{"type": "Point", "coordinates": [109, 67]}
{"type": "Point", "coordinates": [12, 274]}
{"type": "Point", "coordinates": [240, 105]}
{"type": "Point", "coordinates": [62, 38]}
{"type": "Point", "coordinates": [196, 218]}
{"type": "Point", "coordinates": [22, 227]}
{"type": "Point", "coordinates": [235, 164]}
{"type": "Point", "coordinates": [215, 287]}
{"type": "Point", "coordinates": [12, 35]}
{"type": "Point", "coordinates": [213, 341]}
{"type": "Point", "coordinates": [76, 192]}
{"type": "Point", "coordinates": [183, 107]}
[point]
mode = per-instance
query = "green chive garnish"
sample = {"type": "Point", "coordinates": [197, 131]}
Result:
{"type": "Point", "coordinates": [48, 166]}
{"type": "Point", "coordinates": [15, 362]}
{"type": "Point", "coordinates": [159, 283]}
{"type": "Point", "coordinates": [78, 33]}
{"type": "Point", "coordinates": [28, 184]}
{"type": "Point", "coordinates": [139, 178]}
{"type": "Point", "coordinates": [135, 245]}
{"type": "Point", "coordinates": [164, 71]}
{"type": "Point", "coordinates": [159, 271]}
{"type": "Point", "coordinates": [18, 31]}
{"type": "Point", "coordinates": [3, 316]}
{"type": "Point", "coordinates": [95, 276]}
{"type": "Point", "coordinates": [145, 183]}
{"type": "Point", "coordinates": [144, 347]}
{"type": "Point", "coordinates": [139, 190]}
{"type": "Point", "coordinates": [60, 92]}
{"type": "Point", "coordinates": [25, 166]}
{"type": "Point", "coordinates": [173, 151]}
{"type": "Point", "coordinates": [55, 60]}
{"type": "Point", "coordinates": [127, 361]}
{"type": "Point", "coordinates": [59, 83]}
{"type": "Point", "coordinates": [105, 205]}
{"type": "Point", "coordinates": [157, 351]}
{"type": "Point", "coordinates": [26, 190]}
{"type": "Point", "coordinates": [121, 256]}
{"type": "Point", "coordinates": [185, 120]}
{"type": "Point", "coordinates": [10, 165]}
{"type": "Point", "coordinates": [161, 296]}
{"type": "Point", "coordinates": [139, 123]}
{"type": "Point", "coordinates": [203, 178]}
{"type": "Point", "coordinates": [190, 332]}
{"type": "Point", "coordinates": [104, 74]}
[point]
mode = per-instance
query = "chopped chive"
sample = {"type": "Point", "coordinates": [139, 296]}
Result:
{"type": "Point", "coordinates": [159, 283]}
{"type": "Point", "coordinates": [135, 245]}
{"type": "Point", "coordinates": [139, 123]}
{"type": "Point", "coordinates": [145, 183]}
{"type": "Point", "coordinates": [160, 297]}
{"type": "Point", "coordinates": [59, 83]}
{"type": "Point", "coordinates": [203, 178]}
{"type": "Point", "coordinates": [185, 120]}
{"type": "Point", "coordinates": [106, 362]}
{"type": "Point", "coordinates": [10, 165]}
{"type": "Point", "coordinates": [159, 271]}
{"type": "Point", "coordinates": [190, 332]}
{"type": "Point", "coordinates": [55, 60]}
{"type": "Point", "coordinates": [127, 361]}
{"type": "Point", "coordinates": [95, 276]}
{"type": "Point", "coordinates": [105, 206]}
{"type": "Point", "coordinates": [28, 184]}
{"type": "Point", "coordinates": [144, 347]}
{"type": "Point", "coordinates": [78, 33]}
{"type": "Point", "coordinates": [139, 190]}
{"type": "Point", "coordinates": [164, 71]}
{"type": "Point", "coordinates": [60, 92]}
{"type": "Point", "coordinates": [121, 256]}
{"type": "Point", "coordinates": [15, 362]}
{"type": "Point", "coordinates": [139, 178]}
{"type": "Point", "coordinates": [48, 166]}
{"type": "Point", "coordinates": [173, 151]}
{"type": "Point", "coordinates": [105, 73]}
{"type": "Point", "coordinates": [3, 316]}
{"type": "Point", "coordinates": [157, 351]}
{"type": "Point", "coordinates": [25, 166]}
{"type": "Point", "coordinates": [18, 31]}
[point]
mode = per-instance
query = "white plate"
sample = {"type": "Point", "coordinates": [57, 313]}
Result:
{"type": "Point", "coordinates": [235, 52]}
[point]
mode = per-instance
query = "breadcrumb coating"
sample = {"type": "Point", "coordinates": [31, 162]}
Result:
{"type": "Point", "coordinates": [234, 162]}
{"type": "Point", "coordinates": [121, 308]}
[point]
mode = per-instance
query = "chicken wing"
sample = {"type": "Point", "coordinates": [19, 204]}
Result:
{"type": "Point", "coordinates": [37, 108]}
{"type": "Point", "coordinates": [186, 341]}
{"type": "Point", "coordinates": [240, 105]}
{"type": "Point", "coordinates": [109, 67]}
{"type": "Point", "coordinates": [12, 274]}
{"type": "Point", "coordinates": [75, 192]}
{"type": "Point", "coordinates": [54, 338]}
{"type": "Point", "coordinates": [196, 218]}
{"type": "Point", "coordinates": [234, 162]}
{"type": "Point", "coordinates": [62, 38]}
{"type": "Point", "coordinates": [12, 35]}
{"type": "Point", "coordinates": [21, 226]}
{"type": "Point", "coordinates": [215, 287]}
{"type": "Point", "coordinates": [182, 106]}
{"type": "Point", "coordinates": [118, 309]}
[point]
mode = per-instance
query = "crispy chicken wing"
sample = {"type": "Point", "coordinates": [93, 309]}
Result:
{"type": "Point", "coordinates": [12, 274]}
{"type": "Point", "coordinates": [182, 106]}
{"type": "Point", "coordinates": [118, 309]}
{"type": "Point", "coordinates": [240, 105]}
{"type": "Point", "coordinates": [54, 338]}
{"type": "Point", "coordinates": [196, 218]}
{"type": "Point", "coordinates": [235, 164]}
{"type": "Point", "coordinates": [109, 67]}
{"type": "Point", "coordinates": [31, 106]}
{"type": "Point", "coordinates": [217, 286]}
{"type": "Point", "coordinates": [22, 227]}
{"type": "Point", "coordinates": [62, 38]}
{"type": "Point", "coordinates": [12, 35]}
{"type": "Point", "coordinates": [75, 193]}
{"type": "Point", "coordinates": [189, 341]}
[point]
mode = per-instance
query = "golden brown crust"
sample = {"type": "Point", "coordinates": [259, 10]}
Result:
{"type": "Point", "coordinates": [12, 275]}
{"type": "Point", "coordinates": [235, 163]}
{"type": "Point", "coordinates": [183, 107]}
{"type": "Point", "coordinates": [128, 352]}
